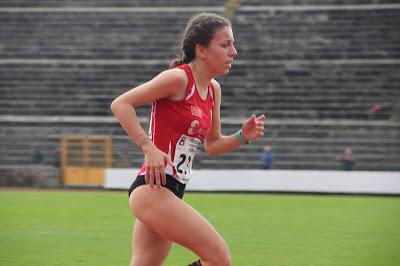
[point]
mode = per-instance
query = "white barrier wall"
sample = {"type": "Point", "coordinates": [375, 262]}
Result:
{"type": "Point", "coordinates": [276, 180]}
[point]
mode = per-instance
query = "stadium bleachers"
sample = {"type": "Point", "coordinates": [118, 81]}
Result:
{"type": "Point", "coordinates": [298, 144]}
{"type": "Point", "coordinates": [314, 69]}
{"type": "Point", "coordinates": [312, 91]}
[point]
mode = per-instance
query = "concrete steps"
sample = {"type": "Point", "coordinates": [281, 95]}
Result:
{"type": "Point", "coordinates": [313, 145]}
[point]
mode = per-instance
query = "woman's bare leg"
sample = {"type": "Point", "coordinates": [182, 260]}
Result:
{"type": "Point", "coordinates": [148, 247]}
{"type": "Point", "coordinates": [176, 221]}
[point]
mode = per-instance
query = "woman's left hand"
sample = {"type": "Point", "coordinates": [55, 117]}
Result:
{"type": "Point", "coordinates": [253, 128]}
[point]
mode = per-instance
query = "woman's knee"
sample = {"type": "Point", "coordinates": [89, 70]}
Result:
{"type": "Point", "coordinates": [224, 256]}
{"type": "Point", "coordinates": [219, 256]}
{"type": "Point", "coordinates": [144, 261]}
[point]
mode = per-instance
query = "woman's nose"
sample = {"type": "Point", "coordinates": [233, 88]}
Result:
{"type": "Point", "coordinates": [233, 51]}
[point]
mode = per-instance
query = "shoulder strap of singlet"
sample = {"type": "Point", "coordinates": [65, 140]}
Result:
{"type": "Point", "coordinates": [211, 91]}
{"type": "Point", "coordinates": [190, 87]}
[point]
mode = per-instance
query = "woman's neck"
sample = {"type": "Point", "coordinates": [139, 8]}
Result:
{"type": "Point", "coordinates": [202, 76]}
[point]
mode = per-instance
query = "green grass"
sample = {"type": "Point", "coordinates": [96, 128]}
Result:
{"type": "Point", "coordinates": [94, 228]}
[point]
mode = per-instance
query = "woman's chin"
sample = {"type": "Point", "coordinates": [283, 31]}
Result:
{"type": "Point", "coordinates": [224, 71]}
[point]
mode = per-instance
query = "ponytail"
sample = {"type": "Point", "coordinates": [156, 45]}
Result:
{"type": "Point", "coordinates": [177, 61]}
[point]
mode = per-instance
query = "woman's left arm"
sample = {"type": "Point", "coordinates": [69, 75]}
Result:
{"type": "Point", "coordinates": [216, 143]}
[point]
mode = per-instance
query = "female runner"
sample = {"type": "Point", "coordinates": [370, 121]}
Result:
{"type": "Point", "coordinates": [185, 110]}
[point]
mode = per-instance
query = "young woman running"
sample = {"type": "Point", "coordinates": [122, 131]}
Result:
{"type": "Point", "coordinates": [185, 110]}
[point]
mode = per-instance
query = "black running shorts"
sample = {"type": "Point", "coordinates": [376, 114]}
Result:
{"type": "Point", "coordinates": [173, 185]}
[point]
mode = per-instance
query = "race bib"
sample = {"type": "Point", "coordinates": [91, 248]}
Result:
{"type": "Point", "coordinates": [185, 151]}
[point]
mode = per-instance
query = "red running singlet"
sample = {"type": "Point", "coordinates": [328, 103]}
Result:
{"type": "Point", "coordinates": [177, 127]}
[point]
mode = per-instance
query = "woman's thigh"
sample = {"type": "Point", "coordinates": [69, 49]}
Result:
{"type": "Point", "coordinates": [176, 221]}
{"type": "Point", "coordinates": [148, 247]}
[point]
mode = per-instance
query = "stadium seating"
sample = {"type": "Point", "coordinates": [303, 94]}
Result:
{"type": "Point", "coordinates": [317, 92]}
{"type": "Point", "coordinates": [298, 144]}
{"type": "Point", "coordinates": [315, 69]}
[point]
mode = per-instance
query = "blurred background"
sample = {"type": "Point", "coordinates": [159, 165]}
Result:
{"type": "Point", "coordinates": [325, 73]}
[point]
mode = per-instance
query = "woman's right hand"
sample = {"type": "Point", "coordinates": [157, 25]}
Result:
{"type": "Point", "coordinates": [155, 161]}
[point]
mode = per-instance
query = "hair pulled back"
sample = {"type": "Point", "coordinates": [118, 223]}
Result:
{"type": "Point", "coordinates": [200, 30]}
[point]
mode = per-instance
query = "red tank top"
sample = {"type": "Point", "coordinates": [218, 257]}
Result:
{"type": "Point", "coordinates": [177, 127]}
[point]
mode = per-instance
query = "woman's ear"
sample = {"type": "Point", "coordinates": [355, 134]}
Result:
{"type": "Point", "coordinates": [200, 51]}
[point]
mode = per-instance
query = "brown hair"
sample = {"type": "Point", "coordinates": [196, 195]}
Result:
{"type": "Point", "coordinates": [200, 30]}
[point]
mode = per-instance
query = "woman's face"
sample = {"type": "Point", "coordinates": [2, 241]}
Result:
{"type": "Point", "coordinates": [220, 52]}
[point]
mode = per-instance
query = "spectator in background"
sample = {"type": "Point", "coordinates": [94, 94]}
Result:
{"type": "Point", "coordinates": [267, 158]}
{"type": "Point", "coordinates": [375, 111]}
{"type": "Point", "coordinates": [375, 108]}
{"type": "Point", "coordinates": [347, 159]}
{"type": "Point", "coordinates": [56, 159]}
{"type": "Point", "coordinates": [37, 155]}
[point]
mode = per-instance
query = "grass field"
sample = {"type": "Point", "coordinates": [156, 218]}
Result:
{"type": "Point", "coordinates": [94, 228]}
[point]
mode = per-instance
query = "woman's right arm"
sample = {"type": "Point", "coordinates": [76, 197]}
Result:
{"type": "Point", "coordinates": [168, 84]}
